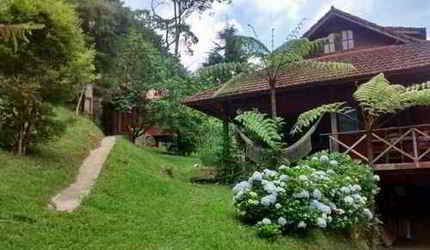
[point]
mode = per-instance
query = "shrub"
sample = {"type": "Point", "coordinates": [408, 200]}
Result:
{"type": "Point", "coordinates": [24, 119]}
{"type": "Point", "coordinates": [323, 191]}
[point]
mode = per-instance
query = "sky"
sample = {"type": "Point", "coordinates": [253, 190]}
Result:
{"type": "Point", "coordinates": [284, 15]}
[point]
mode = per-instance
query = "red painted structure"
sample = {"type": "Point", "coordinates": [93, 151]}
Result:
{"type": "Point", "coordinates": [401, 53]}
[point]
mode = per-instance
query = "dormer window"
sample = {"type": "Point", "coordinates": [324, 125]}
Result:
{"type": "Point", "coordinates": [329, 45]}
{"type": "Point", "coordinates": [347, 40]}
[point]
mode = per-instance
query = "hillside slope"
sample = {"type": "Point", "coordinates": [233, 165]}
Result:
{"type": "Point", "coordinates": [142, 200]}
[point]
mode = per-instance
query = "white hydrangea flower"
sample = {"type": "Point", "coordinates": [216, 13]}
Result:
{"type": "Point", "coordinates": [282, 167]}
{"type": "Point", "coordinates": [340, 211]}
{"type": "Point", "coordinates": [302, 224]}
{"type": "Point", "coordinates": [376, 177]}
{"type": "Point", "coordinates": [269, 173]}
{"type": "Point", "coordinates": [367, 213]}
{"type": "Point", "coordinates": [345, 190]}
{"type": "Point", "coordinates": [320, 206]}
{"type": "Point", "coordinates": [280, 190]}
{"type": "Point", "coordinates": [332, 205]}
{"type": "Point", "coordinates": [241, 187]}
{"type": "Point", "coordinates": [282, 221]}
{"type": "Point", "coordinates": [303, 178]}
{"type": "Point", "coordinates": [278, 206]}
{"type": "Point", "coordinates": [321, 222]}
{"type": "Point", "coordinates": [268, 200]}
{"type": "Point", "coordinates": [283, 177]}
{"type": "Point", "coordinates": [301, 194]}
{"type": "Point", "coordinates": [256, 176]}
{"type": "Point", "coordinates": [331, 172]}
{"type": "Point", "coordinates": [334, 163]}
{"type": "Point", "coordinates": [269, 187]}
{"type": "Point", "coordinates": [348, 200]}
{"type": "Point", "coordinates": [266, 221]}
{"type": "Point", "coordinates": [253, 194]}
{"type": "Point", "coordinates": [316, 194]}
{"type": "Point", "coordinates": [324, 159]}
{"type": "Point", "coordinates": [314, 158]}
{"type": "Point", "coordinates": [329, 219]}
{"type": "Point", "coordinates": [356, 188]}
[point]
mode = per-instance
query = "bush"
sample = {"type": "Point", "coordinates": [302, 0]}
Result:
{"type": "Point", "coordinates": [324, 191]}
{"type": "Point", "coordinates": [24, 119]}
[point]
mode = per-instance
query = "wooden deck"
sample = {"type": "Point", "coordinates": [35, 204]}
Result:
{"type": "Point", "coordinates": [394, 148]}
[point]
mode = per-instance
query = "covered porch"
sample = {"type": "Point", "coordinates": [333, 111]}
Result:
{"type": "Point", "coordinates": [392, 148]}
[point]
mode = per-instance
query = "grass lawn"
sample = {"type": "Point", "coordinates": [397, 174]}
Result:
{"type": "Point", "coordinates": [134, 205]}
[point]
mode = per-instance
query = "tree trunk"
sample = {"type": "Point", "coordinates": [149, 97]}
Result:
{"type": "Point", "coordinates": [177, 11]}
{"type": "Point", "coordinates": [81, 96]}
{"type": "Point", "coordinates": [273, 99]}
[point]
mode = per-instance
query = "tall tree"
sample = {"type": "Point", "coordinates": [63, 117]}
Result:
{"type": "Point", "coordinates": [44, 69]}
{"type": "Point", "coordinates": [175, 27]}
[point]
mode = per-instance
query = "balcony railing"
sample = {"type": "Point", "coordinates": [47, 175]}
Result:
{"type": "Point", "coordinates": [407, 146]}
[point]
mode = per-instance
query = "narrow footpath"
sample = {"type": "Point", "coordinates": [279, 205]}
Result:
{"type": "Point", "coordinates": [70, 198]}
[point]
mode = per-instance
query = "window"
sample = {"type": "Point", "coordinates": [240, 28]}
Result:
{"type": "Point", "coordinates": [347, 40]}
{"type": "Point", "coordinates": [348, 122]}
{"type": "Point", "coordinates": [329, 45]}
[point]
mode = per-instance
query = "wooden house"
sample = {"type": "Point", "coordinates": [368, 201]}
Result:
{"type": "Point", "coordinates": [401, 53]}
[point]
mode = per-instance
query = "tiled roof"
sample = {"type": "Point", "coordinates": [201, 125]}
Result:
{"type": "Point", "coordinates": [358, 20]}
{"type": "Point", "coordinates": [366, 62]}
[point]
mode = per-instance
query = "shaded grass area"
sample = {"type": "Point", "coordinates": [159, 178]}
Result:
{"type": "Point", "coordinates": [142, 200]}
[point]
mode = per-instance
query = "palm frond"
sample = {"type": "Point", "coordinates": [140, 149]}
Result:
{"type": "Point", "coordinates": [261, 128]}
{"type": "Point", "coordinates": [307, 118]}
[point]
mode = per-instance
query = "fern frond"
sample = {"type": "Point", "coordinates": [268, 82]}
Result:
{"type": "Point", "coordinates": [15, 32]}
{"type": "Point", "coordinates": [307, 118]}
{"type": "Point", "coordinates": [264, 130]}
{"type": "Point", "coordinates": [378, 96]}
{"type": "Point", "coordinates": [419, 86]}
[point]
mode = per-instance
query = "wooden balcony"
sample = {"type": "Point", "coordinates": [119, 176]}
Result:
{"type": "Point", "coordinates": [395, 148]}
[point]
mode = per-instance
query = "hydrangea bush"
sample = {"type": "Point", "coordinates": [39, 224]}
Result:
{"type": "Point", "coordinates": [323, 191]}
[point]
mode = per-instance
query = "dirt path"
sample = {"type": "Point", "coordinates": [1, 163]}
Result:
{"type": "Point", "coordinates": [70, 198]}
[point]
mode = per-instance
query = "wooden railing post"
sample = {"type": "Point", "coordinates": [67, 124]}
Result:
{"type": "Point", "coordinates": [334, 147]}
{"type": "Point", "coordinates": [415, 146]}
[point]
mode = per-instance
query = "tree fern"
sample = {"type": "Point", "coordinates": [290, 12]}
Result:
{"type": "Point", "coordinates": [309, 117]}
{"type": "Point", "coordinates": [378, 96]}
{"type": "Point", "coordinates": [260, 128]}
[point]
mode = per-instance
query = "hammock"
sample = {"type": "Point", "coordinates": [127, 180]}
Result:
{"type": "Point", "coordinates": [298, 150]}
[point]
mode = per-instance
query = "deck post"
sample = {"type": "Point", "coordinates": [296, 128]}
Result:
{"type": "Point", "coordinates": [415, 146]}
{"type": "Point", "coordinates": [334, 146]}
{"type": "Point", "coordinates": [226, 142]}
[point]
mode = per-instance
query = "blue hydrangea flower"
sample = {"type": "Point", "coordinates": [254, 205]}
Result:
{"type": "Point", "coordinates": [268, 200]}
{"type": "Point", "coordinates": [302, 194]}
